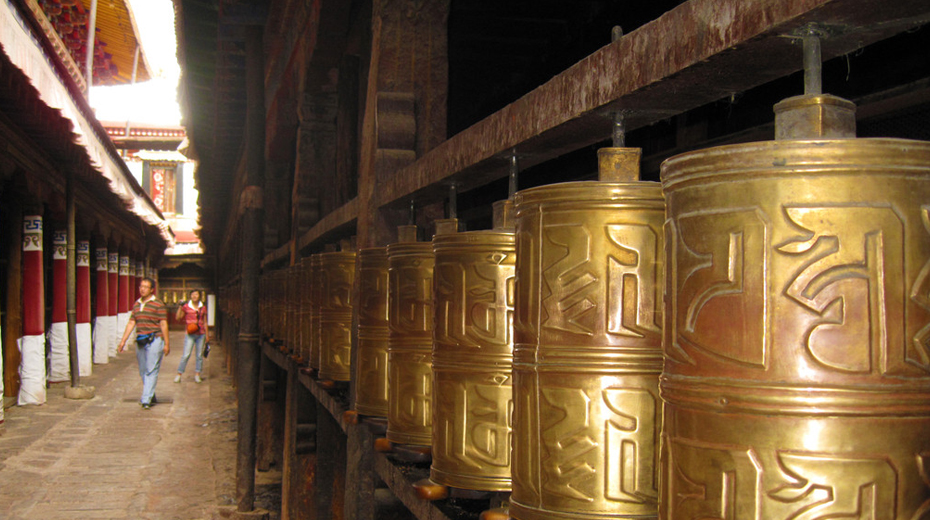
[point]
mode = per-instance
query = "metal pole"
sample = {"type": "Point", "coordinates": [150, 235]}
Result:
{"type": "Point", "coordinates": [71, 282]}
{"type": "Point", "coordinates": [252, 224]}
{"type": "Point", "coordinates": [813, 64]}
{"type": "Point", "coordinates": [514, 170]}
{"type": "Point", "coordinates": [89, 60]}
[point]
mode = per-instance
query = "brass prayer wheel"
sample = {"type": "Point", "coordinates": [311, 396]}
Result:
{"type": "Point", "coordinates": [337, 276]}
{"type": "Point", "coordinates": [587, 350]}
{"type": "Point", "coordinates": [797, 373]}
{"type": "Point", "coordinates": [303, 314]}
{"type": "Point", "coordinates": [371, 390]}
{"type": "Point", "coordinates": [410, 343]}
{"type": "Point", "coordinates": [315, 299]}
{"type": "Point", "coordinates": [473, 359]}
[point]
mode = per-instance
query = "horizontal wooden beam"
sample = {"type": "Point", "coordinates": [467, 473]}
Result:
{"type": "Point", "coordinates": [340, 220]}
{"type": "Point", "coordinates": [697, 53]}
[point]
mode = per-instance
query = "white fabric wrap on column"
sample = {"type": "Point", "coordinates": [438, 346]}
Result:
{"type": "Point", "coordinates": [115, 334]}
{"type": "Point", "coordinates": [32, 370]}
{"type": "Point", "coordinates": [121, 320]}
{"type": "Point", "coordinates": [60, 358]}
{"type": "Point", "coordinates": [101, 335]}
{"type": "Point", "coordinates": [85, 350]}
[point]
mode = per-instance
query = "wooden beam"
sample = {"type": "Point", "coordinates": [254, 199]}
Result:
{"type": "Point", "coordinates": [699, 52]}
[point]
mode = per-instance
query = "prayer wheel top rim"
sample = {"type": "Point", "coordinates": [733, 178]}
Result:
{"type": "Point", "coordinates": [823, 156]}
{"type": "Point", "coordinates": [481, 238]}
{"type": "Point", "coordinates": [410, 248]}
{"type": "Point", "coordinates": [590, 191]}
{"type": "Point", "coordinates": [373, 253]}
{"type": "Point", "coordinates": [337, 257]}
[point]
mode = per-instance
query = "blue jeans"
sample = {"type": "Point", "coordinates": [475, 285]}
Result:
{"type": "Point", "coordinates": [190, 340]}
{"type": "Point", "coordinates": [149, 358]}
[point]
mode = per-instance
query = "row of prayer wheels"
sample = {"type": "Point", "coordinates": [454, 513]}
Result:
{"type": "Point", "coordinates": [749, 339]}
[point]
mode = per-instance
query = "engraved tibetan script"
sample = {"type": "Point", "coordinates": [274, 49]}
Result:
{"type": "Point", "coordinates": [721, 273]}
{"type": "Point", "coordinates": [851, 276]}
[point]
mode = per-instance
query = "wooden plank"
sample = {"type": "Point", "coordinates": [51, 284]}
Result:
{"type": "Point", "coordinates": [342, 220]}
{"type": "Point", "coordinates": [402, 487]}
{"type": "Point", "coordinates": [332, 405]}
{"type": "Point", "coordinates": [699, 52]}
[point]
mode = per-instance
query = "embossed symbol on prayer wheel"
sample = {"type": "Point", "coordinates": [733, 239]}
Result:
{"type": "Point", "coordinates": [473, 359]}
{"type": "Point", "coordinates": [337, 276]}
{"type": "Point", "coordinates": [797, 373]}
{"type": "Point", "coordinates": [315, 300]}
{"type": "Point", "coordinates": [587, 350]}
{"type": "Point", "coordinates": [371, 391]}
{"type": "Point", "coordinates": [410, 344]}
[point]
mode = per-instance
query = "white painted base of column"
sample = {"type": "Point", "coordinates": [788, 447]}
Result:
{"type": "Point", "coordinates": [115, 334]}
{"type": "Point", "coordinates": [59, 357]}
{"type": "Point", "coordinates": [85, 349]}
{"type": "Point", "coordinates": [32, 370]}
{"type": "Point", "coordinates": [122, 320]}
{"type": "Point", "coordinates": [101, 340]}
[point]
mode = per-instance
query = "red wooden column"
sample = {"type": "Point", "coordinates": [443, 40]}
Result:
{"type": "Point", "coordinates": [123, 306]}
{"type": "Point", "coordinates": [82, 308]}
{"type": "Point", "coordinates": [60, 360]}
{"type": "Point", "coordinates": [113, 286]}
{"type": "Point", "coordinates": [32, 344]}
{"type": "Point", "coordinates": [140, 274]}
{"type": "Point", "coordinates": [102, 324]}
{"type": "Point", "coordinates": [133, 281]}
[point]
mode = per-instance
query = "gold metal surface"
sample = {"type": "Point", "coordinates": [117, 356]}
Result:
{"type": "Point", "coordinates": [587, 351]}
{"type": "Point", "coordinates": [473, 359]}
{"type": "Point", "coordinates": [819, 116]}
{"type": "Point", "coordinates": [293, 306]}
{"type": "Point", "coordinates": [371, 371]}
{"type": "Point", "coordinates": [303, 313]}
{"type": "Point", "coordinates": [315, 300]}
{"type": "Point", "coordinates": [337, 277]}
{"type": "Point", "coordinates": [410, 344]}
{"type": "Point", "coordinates": [797, 372]}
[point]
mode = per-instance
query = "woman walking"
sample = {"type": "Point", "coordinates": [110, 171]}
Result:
{"type": "Point", "coordinates": [193, 314]}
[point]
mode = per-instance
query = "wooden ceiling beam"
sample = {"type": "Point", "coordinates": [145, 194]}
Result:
{"type": "Point", "coordinates": [697, 53]}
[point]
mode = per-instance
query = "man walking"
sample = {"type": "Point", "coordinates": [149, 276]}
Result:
{"type": "Point", "coordinates": [150, 318]}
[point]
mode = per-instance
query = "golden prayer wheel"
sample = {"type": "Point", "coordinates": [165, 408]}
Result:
{"type": "Point", "coordinates": [315, 299]}
{"type": "Point", "coordinates": [371, 389]}
{"type": "Point", "coordinates": [797, 373]}
{"type": "Point", "coordinates": [304, 310]}
{"type": "Point", "coordinates": [473, 359]}
{"type": "Point", "coordinates": [293, 306]}
{"type": "Point", "coordinates": [410, 343]}
{"type": "Point", "coordinates": [337, 275]}
{"type": "Point", "coordinates": [587, 350]}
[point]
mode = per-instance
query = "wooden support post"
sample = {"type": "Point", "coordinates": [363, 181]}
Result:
{"type": "Point", "coordinates": [361, 479]}
{"type": "Point", "coordinates": [267, 399]}
{"type": "Point", "coordinates": [252, 215]}
{"type": "Point", "coordinates": [408, 68]}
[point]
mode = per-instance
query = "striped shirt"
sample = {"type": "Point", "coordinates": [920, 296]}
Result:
{"type": "Point", "coordinates": [148, 315]}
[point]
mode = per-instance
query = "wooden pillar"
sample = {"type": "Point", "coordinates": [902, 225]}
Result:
{"type": "Point", "coordinates": [405, 106]}
{"type": "Point", "coordinates": [14, 305]}
{"type": "Point", "coordinates": [113, 299]}
{"type": "Point", "coordinates": [315, 170]}
{"type": "Point", "coordinates": [268, 392]}
{"type": "Point", "coordinates": [60, 361]}
{"type": "Point", "coordinates": [299, 449]}
{"type": "Point", "coordinates": [102, 300]}
{"type": "Point", "coordinates": [252, 215]}
{"type": "Point", "coordinates": [32, 366]}
{"type": "Point", "coordinates": [82, 309]}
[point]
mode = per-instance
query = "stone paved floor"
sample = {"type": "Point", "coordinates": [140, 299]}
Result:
{"type": "Point", "coordinates": [108, 458]}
